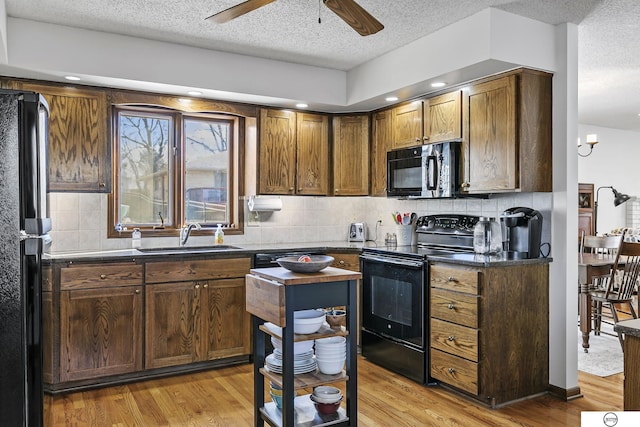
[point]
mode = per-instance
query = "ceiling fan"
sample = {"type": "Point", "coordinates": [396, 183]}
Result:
{"type": "Point", "coordinates": [348, 10]}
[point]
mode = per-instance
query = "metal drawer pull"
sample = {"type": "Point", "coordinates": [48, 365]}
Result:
{"type": "Point", "coordinates": [451, 338]}
{"type": "Point", "coordinates": [103, 276]}
{"type": "Point", "coordinates": [451, 370]}
{"type": "Point", "coordinates": [450, 306]}
{"type": "Point", "coordinates": [451, 279]}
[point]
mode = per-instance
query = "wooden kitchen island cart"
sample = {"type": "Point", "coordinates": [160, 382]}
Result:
{"type": "Point", "coordinates": [273, 294]}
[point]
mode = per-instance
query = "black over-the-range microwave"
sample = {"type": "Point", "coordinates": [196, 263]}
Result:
{"type": "Point", "coordinates": [427, 171]}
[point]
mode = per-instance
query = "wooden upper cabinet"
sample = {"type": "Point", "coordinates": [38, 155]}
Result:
{"type": "Point", "coordinates": [509, 145]}
{"type": "Point", "coordinates": [443, 117]}
{"type": "Point", "coordinates": [492, 135]}
{"type": "Point", "coordinates": [277, 152]}
{"type": "Point", "coordinates": [380, 144]}
{"type": "Point", "coordinates": [351, 155]}
{"type": "Point", "coordinates": [78, 137]}
{"type": "Point", "coordinates": [407, 125]}
{"type": "Point", "coordinates": [312, 166]}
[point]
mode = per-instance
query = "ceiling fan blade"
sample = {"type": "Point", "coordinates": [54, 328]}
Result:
{"type": "Point", "coordinates": [354, 15]}
{"type": "Point", "coordinates": [238, 10]}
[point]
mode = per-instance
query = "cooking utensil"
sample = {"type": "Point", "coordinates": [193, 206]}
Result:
{"type": "Point", "coordinates": [398, 218]}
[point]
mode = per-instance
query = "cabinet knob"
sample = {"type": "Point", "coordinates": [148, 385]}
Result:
{"type": "Point", "coordinates": [466, 185]}
{"type": "Point", "coordinates": [451, 279]}
{"type": "Point", "coordinates": [137, 291]}
{"type": "Point", "coordinates": [102, 185]}
{"type": "Point", "coordinates": [103, 276]}
{"type": "Point", "coordinates": [291, 189]}
{"type": "Point", "coordinates": [197, 286]}
{"type": "Point", "coordinates": [451, 338]}
{"type": "Point", "coordinates": [425, 138]}
{"type": "Point", "coordinates": [341, 262]}
{"type": "Point", "coordinates": [206, 285]}
{"type": "Point", "coordinates": [451, 306]}
{"type": "Point", "coordinates": [451, 370]}
{"type": "Point", "coordinates": [299, 189]}
{"type": "Point", "coordinates": [417, 139]}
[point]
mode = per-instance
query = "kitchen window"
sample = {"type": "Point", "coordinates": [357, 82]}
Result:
{"type": "Point", "coordinates": [171, 169]}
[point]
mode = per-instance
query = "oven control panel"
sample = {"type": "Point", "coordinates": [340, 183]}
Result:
{"type": "Point", "coordinates": [446, 223]}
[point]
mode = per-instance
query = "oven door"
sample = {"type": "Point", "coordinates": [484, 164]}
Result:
{"type": "Point", "coordinates": [393, 298]}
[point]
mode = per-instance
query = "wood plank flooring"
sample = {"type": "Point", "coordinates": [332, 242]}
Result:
{"type": "Point", "coordinates": [223, 397]}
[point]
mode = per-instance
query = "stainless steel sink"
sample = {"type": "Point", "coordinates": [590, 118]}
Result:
{"type": "Point", "coordinates": [188, 249]}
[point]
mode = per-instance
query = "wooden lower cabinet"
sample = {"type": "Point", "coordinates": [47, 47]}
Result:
{"type": "Point", "coordinates": [490, 330]}
{"type": "Point", "coordinates": [101, 332]}
{"type": "Point", "coordinates": [189, 322]}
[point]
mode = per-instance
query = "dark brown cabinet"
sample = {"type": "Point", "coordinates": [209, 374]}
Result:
{"type": "Point", "coordinates": [198, 320]}
{"type": "Point", "coordinates": [100, 321]}
{"type": "Point", "coordinates": [351, 155]}
{"type": "Point", "coordinates": [381, 130]}
{"type": "Point", "coordinates": [508, 146]}
{"type": "Point", "coordinates": [490, 330]}
{"type": "Point", "coordinates": [293, 153]}
{"type": "Point", "coordinates": [79, 149]}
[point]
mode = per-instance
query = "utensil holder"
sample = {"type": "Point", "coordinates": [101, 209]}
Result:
{"type": "Point", "coordinates": [405, 235]}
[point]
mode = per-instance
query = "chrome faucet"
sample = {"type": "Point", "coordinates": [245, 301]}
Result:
{"type": "Point", "coordinates": [185, 232]}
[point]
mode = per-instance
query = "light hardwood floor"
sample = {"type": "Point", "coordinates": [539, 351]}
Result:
{"type": "Point", "coordinates": [223, 397]}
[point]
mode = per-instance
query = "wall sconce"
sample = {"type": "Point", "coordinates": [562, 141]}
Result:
{"type": "Point", "coordinates": [618, 199]}
{"type": "Point", "coordinates": [592, 139]}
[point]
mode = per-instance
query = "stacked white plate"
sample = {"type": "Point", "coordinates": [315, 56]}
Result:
{"type": "Point", "coordinates": [331, 353]}
{"type": "Point", "coordinates": [302, 363]}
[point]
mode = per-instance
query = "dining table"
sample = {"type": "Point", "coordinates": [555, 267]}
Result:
{"type": "Point", "coordinates": [590, 265]}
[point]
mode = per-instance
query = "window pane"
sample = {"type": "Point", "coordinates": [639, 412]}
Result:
{"type": "Point", "coordinates": [206, 160]}
{"type": "Point", "coordinates": [144, 142]}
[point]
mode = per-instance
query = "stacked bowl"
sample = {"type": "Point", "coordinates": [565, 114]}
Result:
{"type": "Point", "coordinates": [331, 354]}
{"type": "Point", "coordinates": [276, 394]}
{"type": "Point", "coordinates": [326, 399]}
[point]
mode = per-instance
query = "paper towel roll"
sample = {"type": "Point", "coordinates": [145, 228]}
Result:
{"type": "Point", "coordinates": [264, 203]}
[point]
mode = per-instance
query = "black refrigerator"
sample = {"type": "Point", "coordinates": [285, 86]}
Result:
{"type": "Point", "coordinates": [23, 240]}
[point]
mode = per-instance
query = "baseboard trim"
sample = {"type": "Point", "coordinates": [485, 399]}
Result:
{"type": "Point", "coordinates": [564, 393]}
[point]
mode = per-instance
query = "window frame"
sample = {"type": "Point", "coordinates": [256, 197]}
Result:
{"type": "Point", "coordinates": [235, 148]}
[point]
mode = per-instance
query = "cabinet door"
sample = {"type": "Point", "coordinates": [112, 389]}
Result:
{"type": "Point", "coordinates": [380, 144]}
{"type": "Point", "coordinates": [101, 332]}
{"type": "Point", "coordinates": [173, 324]}
{"type": "Point", "coordinates": [78, 138]}
{"type": "Point", "coordinates": [226, 319]}
{"type": "Point", "coordinates": [277, 152]}
{"type": "Point", "coordinates": [351, 156]}
{"type": "Point", "coordinates": [407, 125]}
{"type": "Point", "coordinates": [492, 145]}
{"type": "Point", "coordinates": [443, 117]}
{"type": "Point", "coordinates": [312, 166]}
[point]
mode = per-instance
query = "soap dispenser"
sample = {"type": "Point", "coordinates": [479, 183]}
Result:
{"type": "Point", "coordinates": [136, 238]}
{"type": "Point", "coordinates": [219, 235]}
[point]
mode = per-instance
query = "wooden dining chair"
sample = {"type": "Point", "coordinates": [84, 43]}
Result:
{"type": "Point", "coordinates": [616, 289]}
{"type": "Point", "coordinates": [605, 245]}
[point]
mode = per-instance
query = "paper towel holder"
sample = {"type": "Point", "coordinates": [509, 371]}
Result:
{"type": "Point", "coordinates": [264, 203]}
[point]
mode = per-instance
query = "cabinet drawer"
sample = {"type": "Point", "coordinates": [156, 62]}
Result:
{"type": "Point", "coordinates": [346, 261]}
{"type": "Point", "coordinates": [454, 307]}
{"type": "Point", "coordinates": [454, 278]}
{"type": "Point", "coordinates": [189, 270]}
{"type": "Point", "coordinates": [455, 339]}
{"type": "Point", "coordinates": [454, 371]}
{"type": "Point", "coordinates": [99, 275]}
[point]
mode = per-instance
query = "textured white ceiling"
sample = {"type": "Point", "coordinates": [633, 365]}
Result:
{"type": "Point", "coordinates": [288, 30]}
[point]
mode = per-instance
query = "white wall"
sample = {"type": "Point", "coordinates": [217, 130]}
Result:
{"type": "Point", "coordinates": [615, 161]}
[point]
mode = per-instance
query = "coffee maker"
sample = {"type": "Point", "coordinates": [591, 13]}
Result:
{"type": "Point", "coordinates": [521, 232]}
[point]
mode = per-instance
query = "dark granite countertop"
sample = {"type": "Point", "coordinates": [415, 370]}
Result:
{"type": "Point", "coordinates": [225, 251]}
{"type": "Point", "coordinates": [628, 327]}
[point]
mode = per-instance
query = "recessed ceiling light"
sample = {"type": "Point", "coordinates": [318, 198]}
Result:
{"type": "Point", "coordinates": [438, 84]}
{"type": "Point", "coordinates": [72, 78]}
{"type": "Point", "coordinates": [301, 105]}
{"type": "Point", "coordinates": [391, 98]}
{"type": "Point", "coordinates": [194, 93]}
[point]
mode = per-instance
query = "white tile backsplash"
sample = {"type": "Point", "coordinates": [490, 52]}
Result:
{"type": "Point", "coordinates": [80, 219]}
